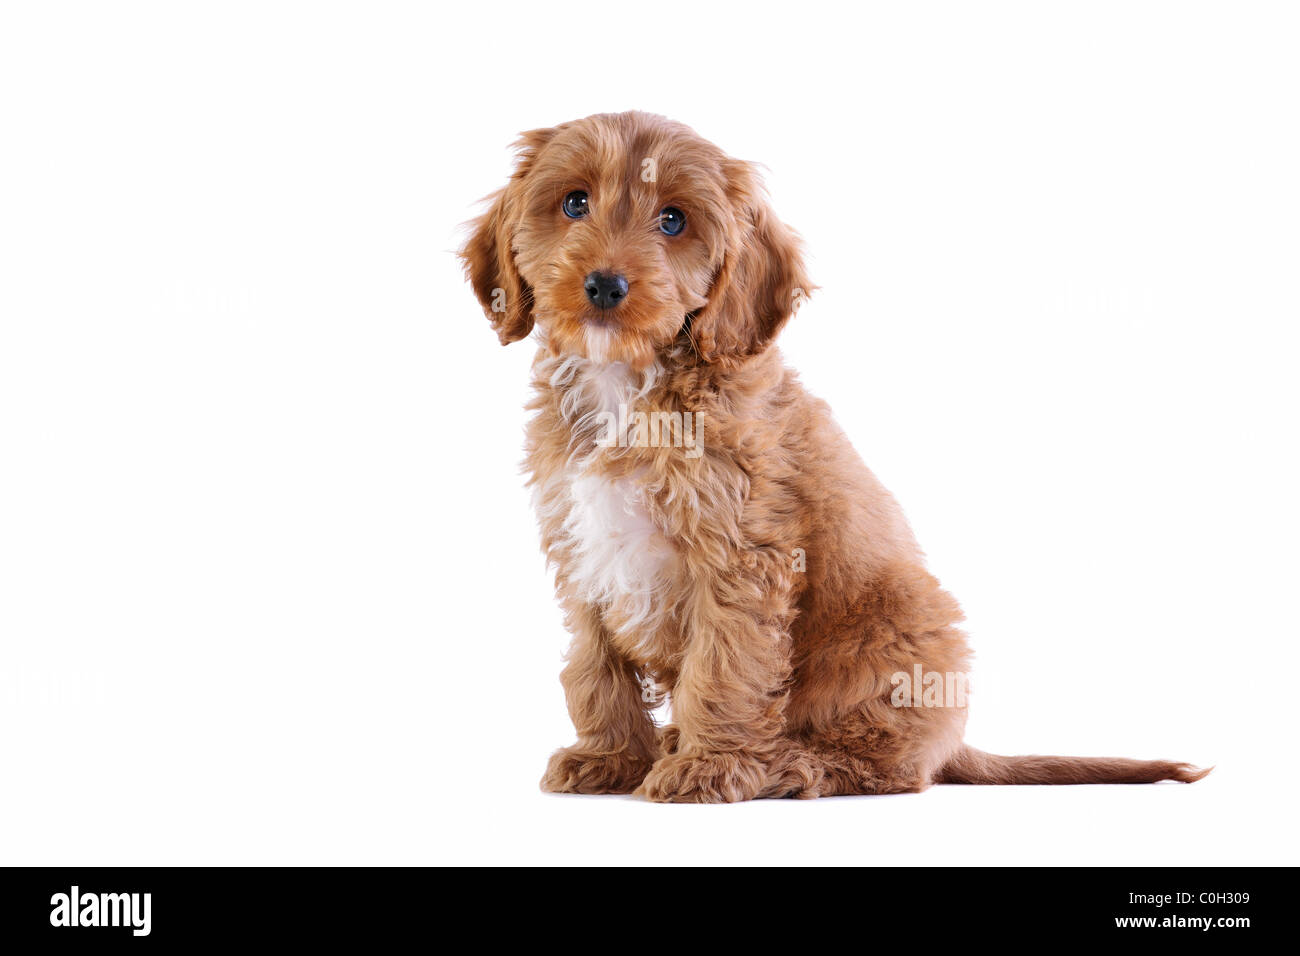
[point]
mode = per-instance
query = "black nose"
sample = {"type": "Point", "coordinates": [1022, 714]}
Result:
{"type": "Point", "coordinates": [605, 290]}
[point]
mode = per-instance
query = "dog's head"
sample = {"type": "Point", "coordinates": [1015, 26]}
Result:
{"type": "Point", "coordinates": [621, 233]}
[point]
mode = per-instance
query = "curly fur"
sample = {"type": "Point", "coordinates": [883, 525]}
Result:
{"type": "Point", "coordinates": [768, 584]}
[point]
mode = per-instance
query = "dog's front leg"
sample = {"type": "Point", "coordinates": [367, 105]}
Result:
{"type": "Point", "coordinates": [616, 735]}
{"type": "Point", "coordinates": [729, 696]}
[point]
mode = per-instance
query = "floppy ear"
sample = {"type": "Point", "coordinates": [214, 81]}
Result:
{"type": "Point", "coordinates": [761, 281]}
{"type": "Point", "coordinates": [488, 256]}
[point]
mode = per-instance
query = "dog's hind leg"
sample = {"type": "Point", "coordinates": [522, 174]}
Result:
{"type": "Point", "coordinates": [861, 755]}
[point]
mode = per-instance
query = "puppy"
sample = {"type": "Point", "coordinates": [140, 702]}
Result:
{"type": "Point", "coordinates": [714, 536]}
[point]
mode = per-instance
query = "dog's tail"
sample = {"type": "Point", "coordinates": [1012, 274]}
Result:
{"type": "Point", "coordinates": [969, 765]}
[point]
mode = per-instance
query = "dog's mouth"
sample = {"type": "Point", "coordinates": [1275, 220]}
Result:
{"type": "Point", "coordinates": [631, 332]}
{"type": "Point", "coordinates": [600, 340]}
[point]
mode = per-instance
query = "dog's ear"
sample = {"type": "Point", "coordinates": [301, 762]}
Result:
{"type": "Point", "coordinates": [761, 281]}
{"type": "Point", "coordinates": [488, 255]}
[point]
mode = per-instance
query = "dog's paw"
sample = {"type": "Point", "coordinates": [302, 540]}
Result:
{"type": "Point", "coordinates": [704, 778]}
{"type": "Point", "coordinates": [573, 770]}
{"type": "Point", "coordinates": [795, 773]}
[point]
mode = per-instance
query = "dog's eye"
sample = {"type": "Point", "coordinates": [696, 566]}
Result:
{"type": "Point", "coordinates": [671, 220]}
{"type": "Point", "coordinates": [575, 204]}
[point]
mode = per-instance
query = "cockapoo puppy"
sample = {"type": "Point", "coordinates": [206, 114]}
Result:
{"type": "Point", "coordinates": [715, 537]}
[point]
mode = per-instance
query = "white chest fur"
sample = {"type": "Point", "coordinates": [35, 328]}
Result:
{"type": "Point", "coordinates": [615, 554]}
{"type": "Point", "coordinates": [620, 553]}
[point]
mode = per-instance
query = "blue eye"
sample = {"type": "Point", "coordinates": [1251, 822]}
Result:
{"type": "Point", "coordinates": [575, 204]}
{"type": "Point", "coordinates": [671, 220]}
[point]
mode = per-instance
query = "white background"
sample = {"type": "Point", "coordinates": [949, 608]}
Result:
{"type": "Point", "coordinates": [270, 589]}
